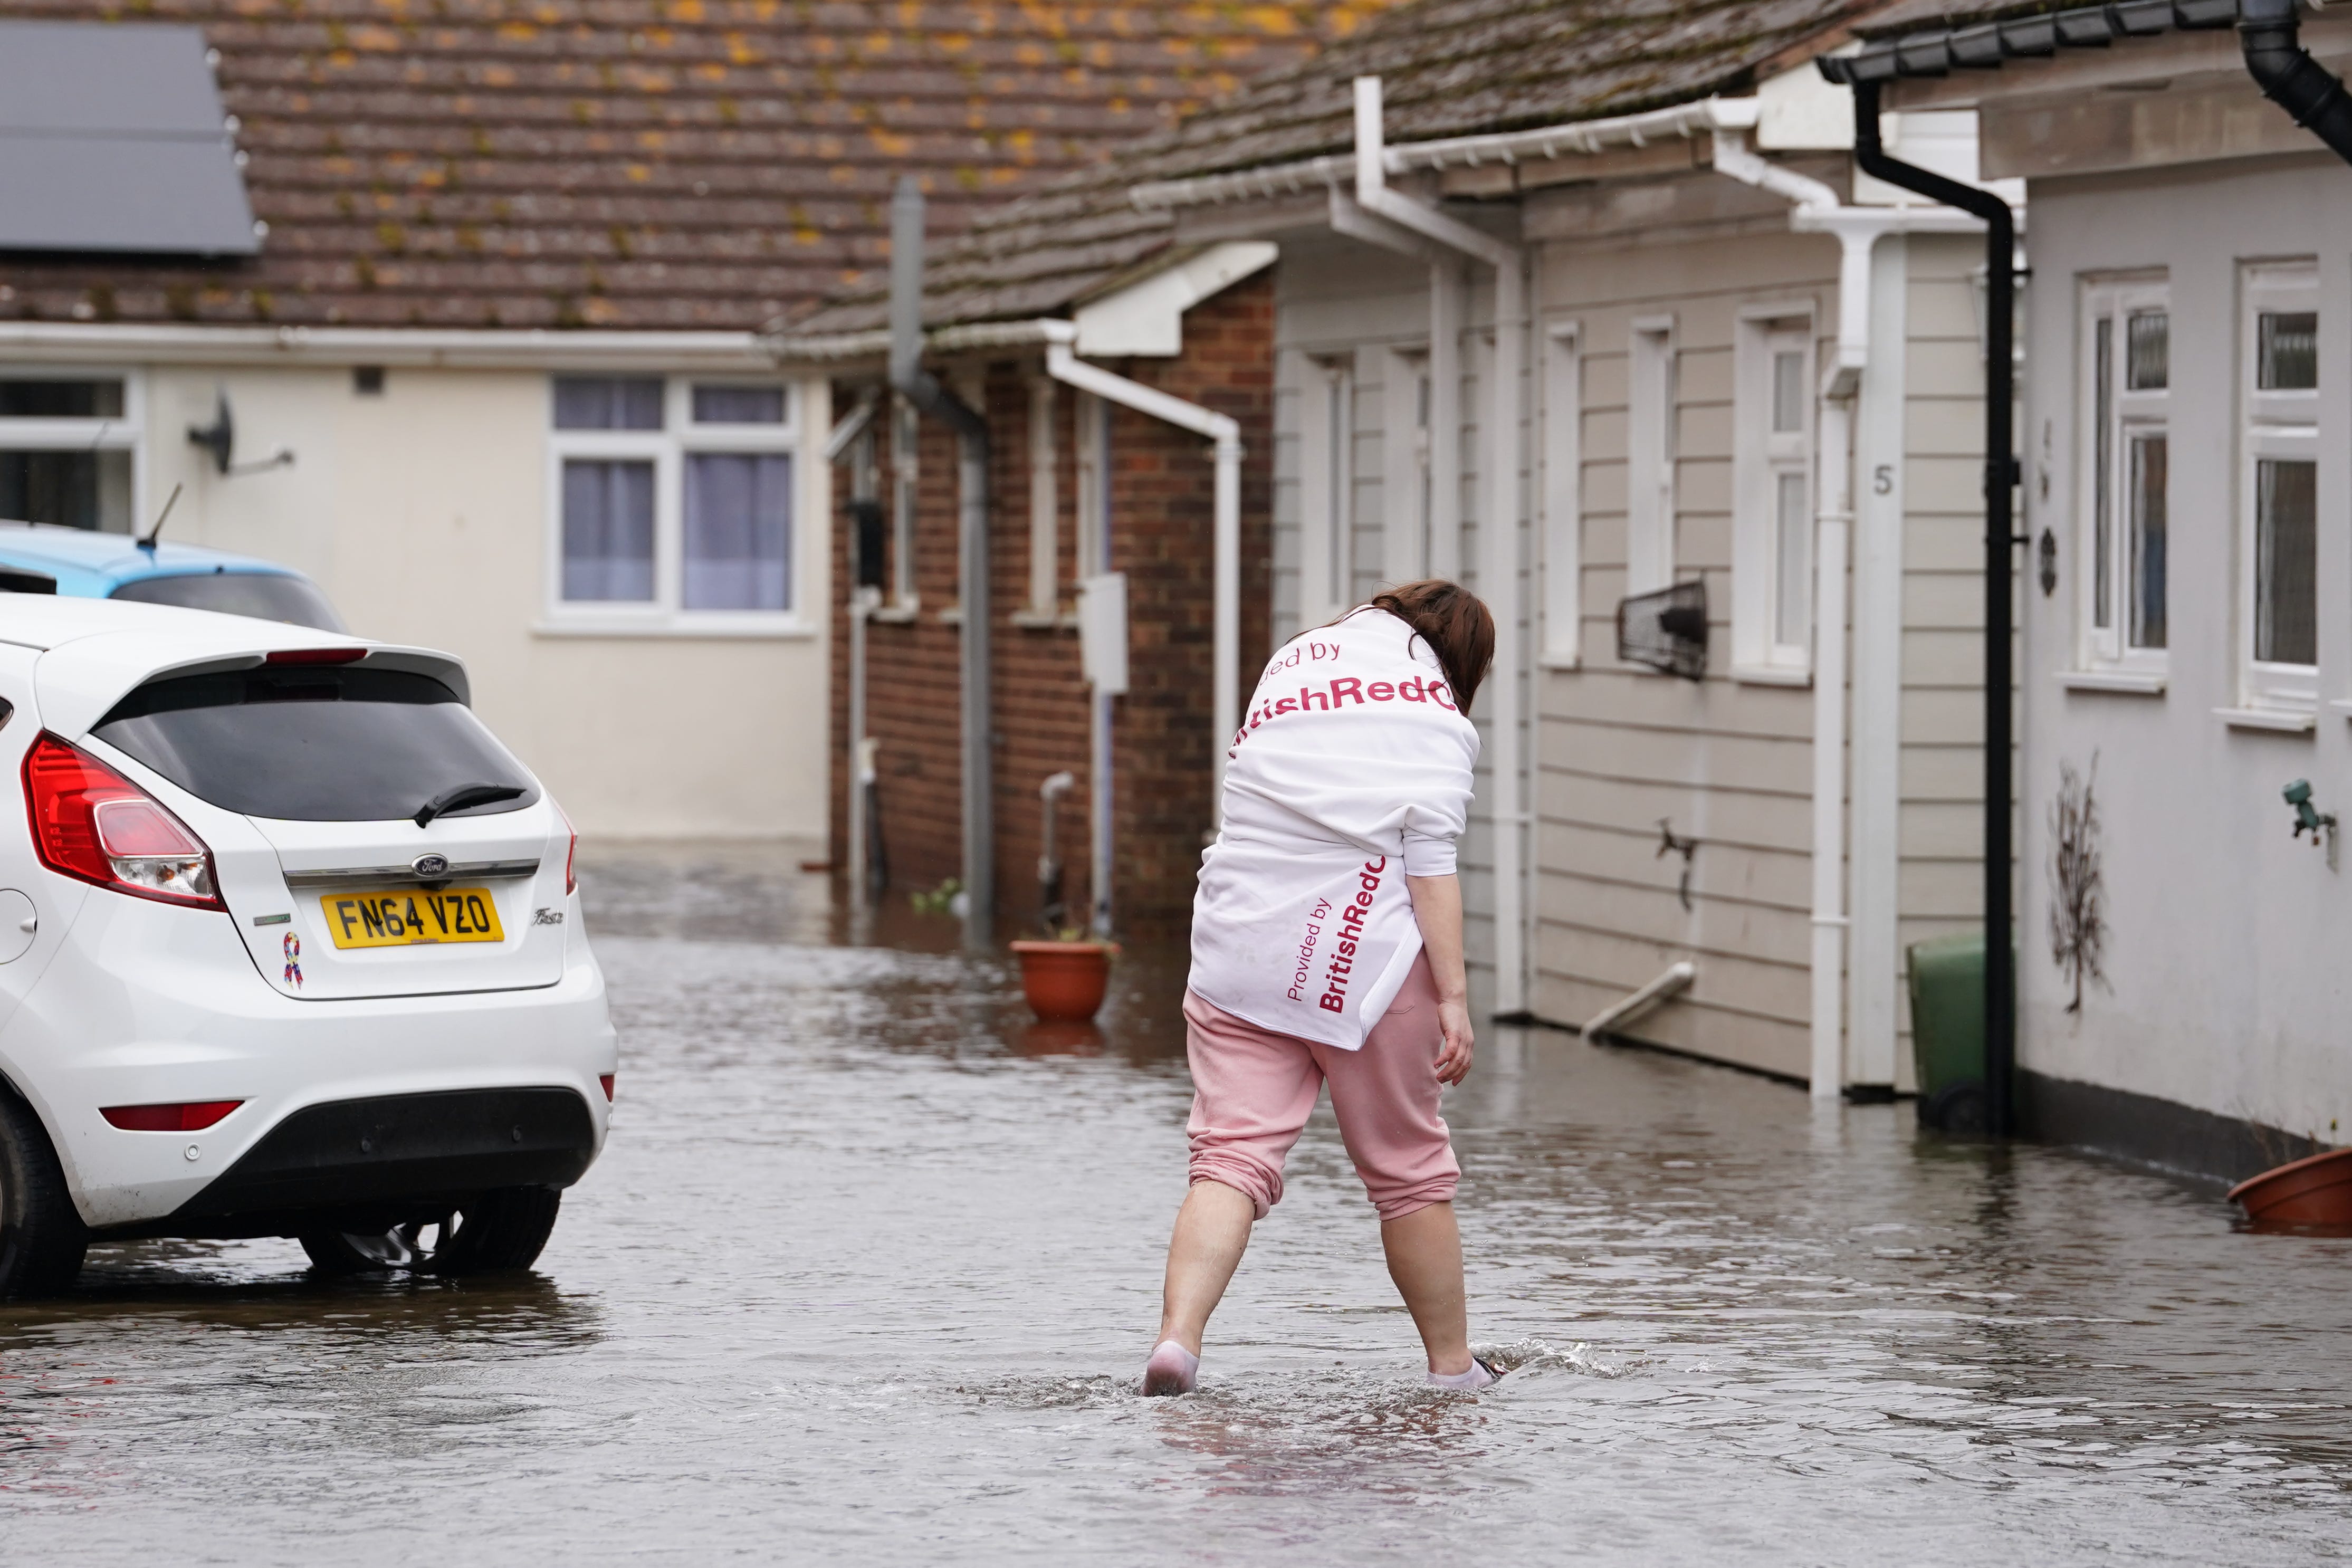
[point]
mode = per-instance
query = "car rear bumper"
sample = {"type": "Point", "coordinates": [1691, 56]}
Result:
{"type": "Point", "coordinates": [145, 1004]}
{"type": "Point", "coordinates": [377, 1163]}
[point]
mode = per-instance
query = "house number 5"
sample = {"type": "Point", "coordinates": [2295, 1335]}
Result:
{"type": "Point", "coordinates": [1882, 479]}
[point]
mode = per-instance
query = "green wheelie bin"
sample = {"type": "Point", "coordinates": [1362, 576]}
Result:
{"type": "Point", "coordinates": [1947, 1030]}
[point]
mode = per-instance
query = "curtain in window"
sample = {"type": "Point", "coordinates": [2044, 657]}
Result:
{"type": "Point", "coordinates": [739, 526]}
{"type": "Point", "coordinates": [608, 402]}
{"type": "Point", "coordinates": [608, 531]}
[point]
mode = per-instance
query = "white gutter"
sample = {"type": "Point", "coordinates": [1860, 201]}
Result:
{"type": "Point", "coordinates": [1334, 170]}
{"type": "Point", "coordinates": [1499, 534]}
{"type": "Point", "coordinates": [1226, 573]}
{"type": "Point", "coordinates": [532, 349]}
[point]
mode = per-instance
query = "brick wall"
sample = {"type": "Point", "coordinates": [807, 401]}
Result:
{"type": "Point", "coordinates": [1161, 483]}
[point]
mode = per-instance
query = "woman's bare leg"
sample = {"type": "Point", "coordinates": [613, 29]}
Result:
{"type": "Point", "coordinates": [1212, 1230]}
{"type": "Point", "coordinates": [1425, 1250]}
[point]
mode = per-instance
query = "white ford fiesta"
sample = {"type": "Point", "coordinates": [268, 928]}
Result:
{"type": "Point", "coordinates": [290, 946]}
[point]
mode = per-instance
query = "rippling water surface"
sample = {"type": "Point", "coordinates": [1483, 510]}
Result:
{"type": "Point", "coordinates": [872, 1261]}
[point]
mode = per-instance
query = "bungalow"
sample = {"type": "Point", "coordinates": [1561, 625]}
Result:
{"type": "Point", "coordinates": [2186, 668]}
{"type": "Point", "coordinates": [1588, 305]}
{"type": "Point", "coordinates": [459, 310]}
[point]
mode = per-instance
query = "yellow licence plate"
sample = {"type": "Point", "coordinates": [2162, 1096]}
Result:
{"type": "Point", "coordinates": [411, 916]}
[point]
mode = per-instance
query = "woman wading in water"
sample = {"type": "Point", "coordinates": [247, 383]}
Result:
{"type": "Point", "coordinates": [1327, 948]}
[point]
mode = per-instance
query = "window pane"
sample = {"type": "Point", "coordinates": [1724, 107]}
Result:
{"type": "Point", "coordinates": [61, 400]}
{"type": "Point", "coordinates": [739, 530]}
{"type": "Point", "coordinates": [2103, 377]}
{"type": "Point", "coordinates": [73, 490]}
{"type": "Point", "coordinates": [314, 743]}
{"type": "Point", "coordinates": [1788, 392]}
{"type": "Point", "coordinates": [2288, 357]}
{"type": "Point", "coordinates": [608, 402]}
{"type": "Point", "coordinates": [2148, 462]}
{"type": "Point", "coordinates": [2148, 351]}
{"type": "Point", "coordinates": [739, 405]}
{"type": "Point", "coordinates": [264, 595]}
{"type": "Point", "coordinates": [1791, 614]}
{"type": "Point", "coordinates": [2285, 595]}
{"type": "Point", "coordinates": [608, 531]}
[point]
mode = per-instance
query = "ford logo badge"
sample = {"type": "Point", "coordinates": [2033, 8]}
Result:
{"type": "Point", "coordinates": [430, 865]}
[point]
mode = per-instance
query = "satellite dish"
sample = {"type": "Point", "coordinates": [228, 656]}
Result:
{"type": "Point", "coordinates": [219, 437]}
{"type": "Point", "coordinates": [1666, 630]}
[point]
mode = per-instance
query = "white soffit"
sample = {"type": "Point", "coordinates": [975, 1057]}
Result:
{"type": "Point", "coordinates": [1147, 317]}
{"type": "Point", "coordinates": [112, 140]}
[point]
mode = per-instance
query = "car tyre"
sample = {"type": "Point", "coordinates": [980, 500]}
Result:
{"type": "Point", "coordinates": [42, 1238]}
{"type": "Point", "coordinates": [501, 1231]}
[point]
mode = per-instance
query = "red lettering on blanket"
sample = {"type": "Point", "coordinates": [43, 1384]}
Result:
{"type": "Point", "coordinates": [1351, 929]}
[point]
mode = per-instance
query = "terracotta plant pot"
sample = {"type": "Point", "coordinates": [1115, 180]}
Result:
{"type": "Point", "coordinates": [1064, 980]}
{"type": "Point", "coordinates": [2314, 1194]}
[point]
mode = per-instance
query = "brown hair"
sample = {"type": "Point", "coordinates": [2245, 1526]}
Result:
{"type": "Point", "coordinates": [1455, 624]}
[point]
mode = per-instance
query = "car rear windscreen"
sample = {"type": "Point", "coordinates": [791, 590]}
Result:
{"type": "Point", "coordinates": [264, 596]}
{"type": "Point", "coordinates": [311, 744]}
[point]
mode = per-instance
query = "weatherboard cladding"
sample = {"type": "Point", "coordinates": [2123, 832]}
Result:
{"type": "Point", "coordinates": [1448, 68]}
{"type": "Point", "coordinates": [637, 163]}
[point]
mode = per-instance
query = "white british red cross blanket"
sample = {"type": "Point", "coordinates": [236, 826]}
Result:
{"type": "Point", "coordinates": [1352, 772]}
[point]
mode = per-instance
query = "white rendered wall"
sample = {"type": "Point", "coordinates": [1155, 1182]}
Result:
{"type": "Point", "coordinates": [2227, 985]}
{"type": "Point", "coordinates": [424, 512]}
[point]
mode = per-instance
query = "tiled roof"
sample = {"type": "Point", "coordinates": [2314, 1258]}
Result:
{"type": "Point", "coordinates": [639, 164]}
{"type": "Point", "coordinates": [1448, 68]}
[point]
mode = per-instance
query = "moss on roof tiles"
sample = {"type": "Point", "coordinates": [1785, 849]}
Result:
{"type": "Point", "coordinates": [1448, 68]}
{"type": "Point", "coordinates": [470, 162]}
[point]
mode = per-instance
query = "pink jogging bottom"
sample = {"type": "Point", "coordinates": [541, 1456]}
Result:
{"type": "Point", "coordinates": [1254, 1089]}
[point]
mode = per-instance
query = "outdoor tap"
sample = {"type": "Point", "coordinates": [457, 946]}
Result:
{"type": "Point", "coordinates": [2320, 825]}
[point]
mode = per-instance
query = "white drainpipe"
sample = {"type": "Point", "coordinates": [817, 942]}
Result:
{"type": "Point", "coordinates": [1498, 532]}
{"type": "Point", "coordinates": [1857, 229]}
{"type": "Point", "coordinates": [1064, 365]}
{"type": "Point", "coordinates": [1833, 532]}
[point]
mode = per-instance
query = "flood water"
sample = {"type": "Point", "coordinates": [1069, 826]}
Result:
{"type": "Point", "coordinates": [869, 1268]}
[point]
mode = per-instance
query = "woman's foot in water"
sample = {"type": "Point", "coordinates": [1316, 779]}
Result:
{"type": "Point", "coordinates": [1481, 1373]}
{"type": "Point", "coordinates": [1172, 1369]}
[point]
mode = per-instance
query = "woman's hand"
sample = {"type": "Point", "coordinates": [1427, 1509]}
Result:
{"type": "Point", "coordinates": [1437, 910]}
{"type": "Point", "coordinates": [1454, 1029]}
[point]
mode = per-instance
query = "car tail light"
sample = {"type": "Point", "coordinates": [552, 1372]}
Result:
{"type": "Point", "coordinates": [193, 1116]}
{"type": "Point", "coordinates": [316, 656]}
{"type": "Point", "coordinates": [606, 1079]}
{"type": "Point", "coordinates": [90, 821]}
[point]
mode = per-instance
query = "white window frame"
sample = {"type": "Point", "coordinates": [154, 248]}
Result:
{"type": "Point", "coordinates": [1560, 454]}
{"type": "Point", "coordinates": [2130, 416]}
{"type": "Point", "coordinates": [1326, 385]}
{"type": "Point", "coordinates": [1762, 458]}
{"type": "Point", "coordinates": [667, 450]}
{"type": "Point", "coordinates": [1650, 396]}
{"type": "Point", "coordinates": [2276, 425]}
{"type": "Point", "coordinates": [1407, 502]}
{"type": "Point", "coordinates": [122, 433]}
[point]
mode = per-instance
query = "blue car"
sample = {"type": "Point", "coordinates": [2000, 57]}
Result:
{"type": "Point", "coordinates": [40, 558]}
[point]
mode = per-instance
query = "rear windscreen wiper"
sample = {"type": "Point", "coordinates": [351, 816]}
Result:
{"type": "Point", "coordinates": [464, 795]}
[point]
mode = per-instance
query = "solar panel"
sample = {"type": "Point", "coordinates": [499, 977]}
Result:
{"type": "Point", "coordinates": [112, 139]}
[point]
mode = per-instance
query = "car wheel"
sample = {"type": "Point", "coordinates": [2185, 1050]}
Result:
{"type": "Point", "coordinates": [41, 1238]}
{"type": "Point", "coordinates": [502, 1229]}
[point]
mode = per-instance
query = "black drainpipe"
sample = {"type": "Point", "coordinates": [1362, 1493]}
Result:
{"type": "Point", "coordinates": [2292, 78]}
{"type": "Point", "coordinates": [1999, 541]}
